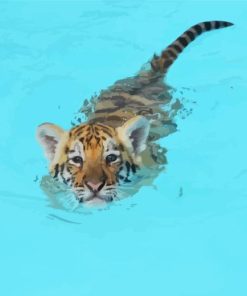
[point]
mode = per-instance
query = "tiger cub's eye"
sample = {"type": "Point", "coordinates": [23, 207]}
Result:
{"type": "Point", "coordinates": [111, 158]}
{"type": "Point", "coordinates": [77, 159]}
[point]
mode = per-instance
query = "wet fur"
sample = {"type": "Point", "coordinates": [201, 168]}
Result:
{"type": "Point", "coordinates": [109, 116]}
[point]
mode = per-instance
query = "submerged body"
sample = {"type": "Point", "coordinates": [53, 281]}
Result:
{"type": "Point", "coordinates": [117, 143]}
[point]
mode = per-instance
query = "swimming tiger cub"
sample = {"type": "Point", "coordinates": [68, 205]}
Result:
{"type": "Point", "coordinates": [116, 145]}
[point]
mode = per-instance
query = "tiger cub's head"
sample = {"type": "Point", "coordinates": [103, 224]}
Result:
{"type": "Point", "coordinates": [93, 159]}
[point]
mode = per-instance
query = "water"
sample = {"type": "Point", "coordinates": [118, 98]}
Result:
{"type": "Point", "coordinates": [186, 235]}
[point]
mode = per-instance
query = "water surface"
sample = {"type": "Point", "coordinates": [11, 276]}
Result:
{"type": "Point", "coordinates": [186, 235]}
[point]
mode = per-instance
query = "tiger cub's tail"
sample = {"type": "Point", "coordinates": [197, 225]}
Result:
{"type": "Point", "coordinates": [169, 55]}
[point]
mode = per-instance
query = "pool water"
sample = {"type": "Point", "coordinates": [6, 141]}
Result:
{"type": "Point", "coordinates": [183, 236]}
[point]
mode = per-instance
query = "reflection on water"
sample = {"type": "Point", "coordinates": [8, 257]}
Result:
{"type": "Point", "coordinates": [53, 216]}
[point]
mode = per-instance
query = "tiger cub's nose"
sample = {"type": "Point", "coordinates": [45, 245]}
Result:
{"type": "Point", "coordinates": [95, 186]}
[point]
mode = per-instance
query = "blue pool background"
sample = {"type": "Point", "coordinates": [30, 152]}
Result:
{"type": "Point", "coordinates": [158, 242]}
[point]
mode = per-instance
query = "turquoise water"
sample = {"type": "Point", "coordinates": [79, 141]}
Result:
{"type": "Point", "coordinates": [186, 235]}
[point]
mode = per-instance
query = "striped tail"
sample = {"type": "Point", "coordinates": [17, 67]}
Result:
{"type": "Point", "coordinates": [169, 55]}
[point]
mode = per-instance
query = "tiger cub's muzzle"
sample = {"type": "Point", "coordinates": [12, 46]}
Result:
{"type": "Point", "coordinates": [95, 187]}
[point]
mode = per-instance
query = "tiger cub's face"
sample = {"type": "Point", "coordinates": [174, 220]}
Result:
{"type": "Point", "coordinates": [93, 159]}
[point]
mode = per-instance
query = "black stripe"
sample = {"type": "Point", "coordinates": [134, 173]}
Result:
{"type": "Point", "coordinates": [56, 170]}
{"type": "Point", "coordinates": [208, 26]}
{"type": "Point", "coordinates": [126, 180]}
{"type": "Point", "coordinates": [133, 167]}
{"type": "Point", "coordinates": [227, 24]}
{"type": "Point", "coordinates": [217, 25]}
{"type": "Point", "coordinates": [177, 48]}
{"type": "Point", "coordinates": [191, 35]}
{"type": "Point", "coordinates": [127, 167]}
{"type": "Point", "coordinates": [97, 139]}
{"type": "Point", "coordinates": [198, 29]}
{"type": "Point", "coordinates": [104, 129]}
{"type": "Point", "coordinates": [88, 140]}
{"type": "Point", "coordinates": [61, 168]}
{"type": "Point", "coordinates": [68, 169]}
{"type": "Point", "coordinates": [107, 110]}
{"type": "Point", "coordinates": [107, 132]}
{"type": "Point", "coordinates": [79, 129]}
{"type": "Point", "coordinates": [61, 173]}
{"type": "Point", "coordinates": [101, 186]}
{"type": "Point", "coordinates": [183, 41]}
{"type": "Point", "coordinates": [120, 177]}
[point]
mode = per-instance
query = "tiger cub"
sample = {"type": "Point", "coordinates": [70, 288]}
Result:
{"type": "Point", "coordinates": [116, 146]}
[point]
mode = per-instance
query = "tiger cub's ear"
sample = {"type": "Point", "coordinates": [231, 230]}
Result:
{"type": "Point", "coordinates": [49, 135]}
{"type": "Point", "coordinates": [134, 133]}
